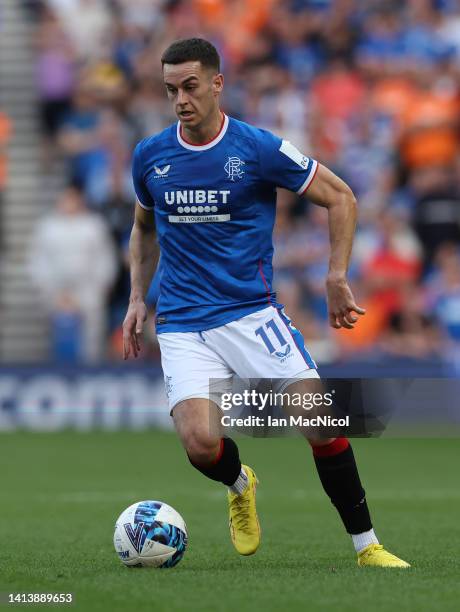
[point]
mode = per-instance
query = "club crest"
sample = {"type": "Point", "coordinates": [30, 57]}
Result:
{"type": "Point", "coordinates": [233, 168]}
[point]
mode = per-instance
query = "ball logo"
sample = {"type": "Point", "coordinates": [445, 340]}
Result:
{"type": "Point", "coordinates": [233, 168]}
{"type": "Point", "coordinates": [124, 554]}
{"type": "Point", "coordinates": [135, 535]}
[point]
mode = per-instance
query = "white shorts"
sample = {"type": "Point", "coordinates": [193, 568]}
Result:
{"type": "Point", "coordinates": [263, 345]}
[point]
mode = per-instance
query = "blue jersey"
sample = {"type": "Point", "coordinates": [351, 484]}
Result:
{"type": "Point", "coordinates": [214, 207]}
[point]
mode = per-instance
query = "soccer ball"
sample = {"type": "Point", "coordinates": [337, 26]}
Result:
{"type": "Point", "coordinates": [150, 534]}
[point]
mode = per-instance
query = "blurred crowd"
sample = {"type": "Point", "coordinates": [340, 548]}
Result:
{"type": "Point", "coordinates": [5, 137]}
{"type": "Point", "coordinates": [369, 88]}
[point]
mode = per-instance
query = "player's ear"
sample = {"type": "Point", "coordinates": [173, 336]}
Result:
{"type": "Point", "coordinates": [217, 83]}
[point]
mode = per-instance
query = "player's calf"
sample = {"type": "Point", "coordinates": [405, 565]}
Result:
{"type": "Point", "coordinates": [218, 459]}
{"type": "Point", "coordinates": [202, 450]}
{"type": "Point", "coordinates": [224, 466]}
{"type": "Point", "coordinates": [214, 456]}
{"type": "Point", "coordinates": [241, 482]}
{"type": "Point", "coordinates": [338, 472]}
{"type": "Point", "coordinates": [339, 476]}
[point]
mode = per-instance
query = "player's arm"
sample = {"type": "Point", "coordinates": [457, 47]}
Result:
{"type": "Point", "coordinates": [330, 191]}
{"type": "Point", "coordinates": [143, 259]}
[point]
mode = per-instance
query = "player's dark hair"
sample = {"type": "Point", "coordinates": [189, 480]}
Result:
{"type": "Point", "coordinates": [192, 50]}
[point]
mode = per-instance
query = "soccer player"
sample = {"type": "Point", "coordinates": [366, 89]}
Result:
{"type": "Point", "coordinates": [206, 187]}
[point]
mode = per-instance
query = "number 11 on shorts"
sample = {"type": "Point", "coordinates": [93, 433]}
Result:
{"type": "Point", "coordinates": [260, 331]}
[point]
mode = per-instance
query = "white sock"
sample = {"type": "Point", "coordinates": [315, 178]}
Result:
{"type": "Point", "coordinates": [361, 540]}
{"type": "Point", "coordinates": [240, 483]}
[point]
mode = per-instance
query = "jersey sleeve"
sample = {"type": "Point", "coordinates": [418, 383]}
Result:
{"type": "Point", "coordinates": [283, 165]}
{"type": "Point", "coordinates": [142, 193]}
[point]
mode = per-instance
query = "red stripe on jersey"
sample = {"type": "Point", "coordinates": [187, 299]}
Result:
{"type": "Point", "coordinates": [311, 180]}
{"type": "Point", "coordinates": [202, 144]}
{"type": "Point", "coordinates": [267, 288]}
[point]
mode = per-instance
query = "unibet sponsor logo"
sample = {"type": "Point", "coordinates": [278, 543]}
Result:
{"type": "Point", "coordinates": [197, 196]}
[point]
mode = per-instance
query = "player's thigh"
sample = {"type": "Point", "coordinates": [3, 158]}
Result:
{"type": "Point", "coordinates": [190, 366]}
{"type": "Point", "coordinates": [264, 344]}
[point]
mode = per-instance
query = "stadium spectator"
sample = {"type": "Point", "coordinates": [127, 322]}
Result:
{"type": "Point", "coordinates": [436, 208]}
{"type": "Point", "coordinates": [338, 93]}
{"type": "Point", "coordinates": [5, 135]}
{"type": "Point", "coordinates": [247, 18]}
{"type": "Point", "coordinates": [55, 76]}
{"type": "Point", "coordinates": [430, 126]}
{"type": "Point", "coordinates": [412, 333]}
{"type": "Point", "coordinates": [444, 294]}
{"type": "Point", "coordinates": [395, 263]}
{"type": "Point", "coordinates": [73, 265]}
{"type": "Point", "coordinates": [88, 24]}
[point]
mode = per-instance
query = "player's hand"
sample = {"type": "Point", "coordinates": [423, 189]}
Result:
{"type": "Point", "coordinates": [132, 328]}
{"type": "Point", "coordinates": [343, 311]}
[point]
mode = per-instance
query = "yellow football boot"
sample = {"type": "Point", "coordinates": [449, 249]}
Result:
{"type": "Point", "coordinates": [375, 555]}
{"type": "Point", "coordinates": [244, 524]}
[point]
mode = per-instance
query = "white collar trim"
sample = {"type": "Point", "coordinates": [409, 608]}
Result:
{"type": "Point", "coordinates": [208, 145]}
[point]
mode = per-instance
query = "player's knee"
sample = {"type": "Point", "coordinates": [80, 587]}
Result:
{"type": "Point", "coordinates": [201, 448]}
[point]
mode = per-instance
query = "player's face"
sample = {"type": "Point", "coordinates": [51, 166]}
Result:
{"type": "Point", "coordinates": [193, 91]}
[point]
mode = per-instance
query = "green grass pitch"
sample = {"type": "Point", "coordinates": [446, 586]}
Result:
{"type": "Point", "coordinates": [61, 493]}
